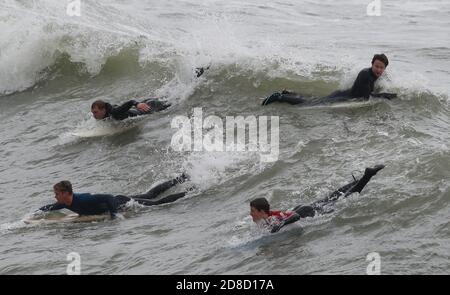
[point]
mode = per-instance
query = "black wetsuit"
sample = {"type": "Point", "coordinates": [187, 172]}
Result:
{"type": "Point", "coordinates": [128, 109]}
{"type": "Point", "coordinates": [320, 206]}
{"type": "Point", "coordinates": [362, 88]}
{"type": "Point", "coordinates": [95, 204]}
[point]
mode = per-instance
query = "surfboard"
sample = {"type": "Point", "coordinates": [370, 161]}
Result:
{"type": "Point", "coordinates": [344, 105]}
{"type": "Point", "coordinates": [339, 104]}
{"type": "Point", "coordinates": [109, 128]}
{"type": "Point", "coordinates": [74, 218]}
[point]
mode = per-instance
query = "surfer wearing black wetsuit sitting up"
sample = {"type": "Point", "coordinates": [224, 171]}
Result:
{"type": "Point", "coordinates": [275, 220]}
{"type": "Point", "coordinates": [101, 110]}
{"type": "Point", "coordinates": [95, 204]}
{"type": "Point", "coordinates": [362, 88]}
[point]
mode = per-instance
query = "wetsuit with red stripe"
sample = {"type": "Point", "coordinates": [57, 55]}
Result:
{"type": "Point", "coordinates": [275, 218]}
{"type": "Point", "coordinates": [278, 219]}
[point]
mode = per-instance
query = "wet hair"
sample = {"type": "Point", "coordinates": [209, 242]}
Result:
{"type": "Point", "coordinates": [99, 104]}
{"type": "Point", "coordinates": [63, 186]}
{"type": "Point", "coordinates": [381, 57]}
{"type": "Point", "coordinates": [260, 204]}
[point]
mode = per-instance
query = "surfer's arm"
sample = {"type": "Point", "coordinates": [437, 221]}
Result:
{"type": "Point", "coordinates": [291, 219]}
{"type": "Point", "coordinates": [385, 95]}
{"type": "Point", "coordinates": [362, 85]}
{"type": "Point", "coordinates": [52, 207]}
{"type": "Point", "coordinates": [124, 107]}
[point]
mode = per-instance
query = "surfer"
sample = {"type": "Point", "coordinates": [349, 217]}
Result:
{"type": "Point", "coordinates": [275, 220]}
{"type": "Point", "coordinates": [96, 204]}
{"type": "Point", "coordinates": [132, 108]}
{"type": "Point", "coordinates": [362, 88]}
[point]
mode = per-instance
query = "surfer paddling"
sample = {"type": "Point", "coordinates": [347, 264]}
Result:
{"type": "Point", "coordinates": [101, 109]}
{"type": "Point", "coordinates": [96, 204]}
{"type": "Point", "coordinates": [275, 220]}
{"type": "Point", "coordinates": [363, 87]}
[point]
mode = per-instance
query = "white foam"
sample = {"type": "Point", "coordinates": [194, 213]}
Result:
{"type": "Point", "coordinates": [93, 128]}
{"type": "Point", "coordinates": [10, 226]}
{"type": "Point", "coordinates": [207, 169]}
{"type": "Point", "coordinates": [183, 35]}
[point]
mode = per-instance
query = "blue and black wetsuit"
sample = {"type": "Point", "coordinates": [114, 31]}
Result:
{"type": "Point", "coordinates": [128, 109]}
{"type": "Point", "coordinates": [87, 204]}
{"type": "Point", "coordinates": [95, 204]}
{"type": "Point", "coordinates": [362, 88]}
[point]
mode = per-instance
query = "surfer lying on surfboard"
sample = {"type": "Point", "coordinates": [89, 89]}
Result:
{"type": "Point", "coordinates": [132, 108]}
{"type": "Point", "coordinates": [275, 220]}
{"type": "Point", "coordinates": [96, 204]}
{"type": "Point", "coordinates": [362, 88]}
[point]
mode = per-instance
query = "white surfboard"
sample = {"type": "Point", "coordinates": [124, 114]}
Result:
{"type": "Point", "coordinates": [109, 127]}
{"type": "Point", "coordinates": [66, 218]}
{"type": "Point", "coordinates": [337, 105]}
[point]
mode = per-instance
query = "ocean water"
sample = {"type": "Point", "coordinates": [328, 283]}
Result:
{"type": "Point", "coordinates": [53, 66]}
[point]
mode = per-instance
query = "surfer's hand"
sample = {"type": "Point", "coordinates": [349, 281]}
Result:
{"type": "Point", "coordinates": [143, 107]}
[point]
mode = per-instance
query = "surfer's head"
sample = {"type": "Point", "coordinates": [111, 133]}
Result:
{"type": "Point", "coordinates": [379, 64]}
{"type": "Point", "coordinates": [259, 209]}
{"type": "Point", "coordinates": [98, 109]}
{"type": "Point", "coordinates": [63, 191]}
